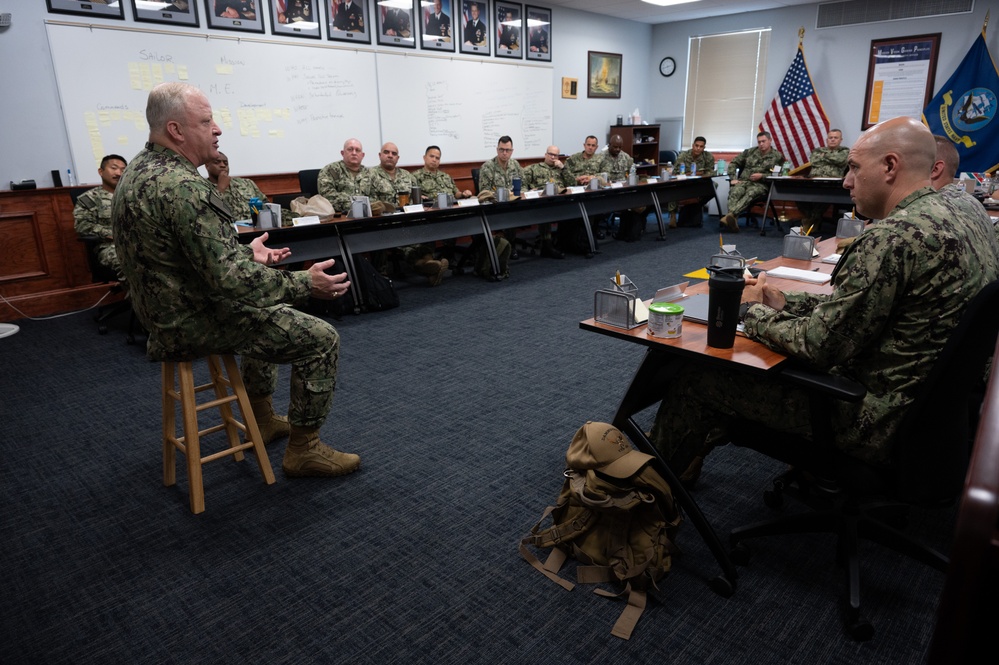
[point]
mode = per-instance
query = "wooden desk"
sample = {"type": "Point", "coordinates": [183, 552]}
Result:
{"type": "Point", "coordinates": [652, 377]}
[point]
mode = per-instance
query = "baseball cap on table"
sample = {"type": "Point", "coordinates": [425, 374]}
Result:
{"type": "Point", "coordinates": [604, 448]}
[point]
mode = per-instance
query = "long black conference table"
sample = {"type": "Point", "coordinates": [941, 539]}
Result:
{"type": "Point", "coordinates": [806, 190]}
{"type": "Point", "coordinates": [344, 237]}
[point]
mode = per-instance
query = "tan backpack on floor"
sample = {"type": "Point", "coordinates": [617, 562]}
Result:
{"type": "Point", "coordinates": [615, 515]}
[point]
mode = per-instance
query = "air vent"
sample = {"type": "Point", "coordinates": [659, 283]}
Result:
{"type": "Point", "coordinates": [852, 12]}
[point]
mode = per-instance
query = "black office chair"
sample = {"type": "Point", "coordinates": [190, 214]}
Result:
{"type": "Point", "coordinates": [101, 274]}
{"type": "Point", "coordinates": [668, 156]}
{"type": "Point", "coordinates": [475, 179]}
{"type": "Point", "coordinates": [308, 182]}
{"type": "Point", "coordinates": [929, 458]}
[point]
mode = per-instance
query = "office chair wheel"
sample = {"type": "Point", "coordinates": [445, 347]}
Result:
{"type": "Point", "coordinates": [722, 586]}
{"type": "Point", "coordinates": [773, 499]}
{"type": "Point", "coordinates": [741, 554]}
{"type": "Point", "coordinates": [859, 629]}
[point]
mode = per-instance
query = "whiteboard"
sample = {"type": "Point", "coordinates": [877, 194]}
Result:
{"type": "Point", "coordinates": [281, 107]}
{"type": "Point", "coordinates": [463, 106]}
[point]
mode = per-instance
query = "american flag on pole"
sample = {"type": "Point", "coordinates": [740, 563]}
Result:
{"type": "Point", "coordinates": [795, 118]}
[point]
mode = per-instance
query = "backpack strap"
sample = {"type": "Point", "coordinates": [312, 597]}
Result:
{"type": "Point", "coordinates": [552, 562]}
{"type": "Point", "coordinates": [632, 612]}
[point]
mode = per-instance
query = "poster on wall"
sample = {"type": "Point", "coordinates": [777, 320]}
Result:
{"type": "Point", "coordinates": [474, 27]}
{"type": "Point", "coordinates": [509, 30]}
{"type": "Point", "coordinates": [436, 26]}
{"type": "Point", "coordinates": [86, 8]}
{"type": "Point", "coordinates": [539, 34]}
{"type": "Point", "coordinates": [395, 23]}
{"type": "Point", "coordinates": [298, 18]}
{"type": "Point", "coordinates": [900, 77]}
{"type": "Point", "coordinates": [348, 21]}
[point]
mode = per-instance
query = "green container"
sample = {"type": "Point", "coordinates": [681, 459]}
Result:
{"type": "Point", "coordinates": [665, 320]}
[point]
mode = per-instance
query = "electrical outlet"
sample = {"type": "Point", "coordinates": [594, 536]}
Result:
{"type": "Point", "coordinates": [4, 19]}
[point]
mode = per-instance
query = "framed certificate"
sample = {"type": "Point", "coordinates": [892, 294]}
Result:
{"type": "Point", "coordinates": [900, 77]}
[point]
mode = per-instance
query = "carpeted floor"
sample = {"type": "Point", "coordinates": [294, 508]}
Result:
{"type": "Point", "coordinates": [461, 403]}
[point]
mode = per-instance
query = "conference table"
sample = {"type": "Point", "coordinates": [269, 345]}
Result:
{"type": "Point", "coordinates": [649, 382]}
{"type": "Point", "coordinates": [344, 237]}
{"type": "Point", "coordinates": [806, 190]}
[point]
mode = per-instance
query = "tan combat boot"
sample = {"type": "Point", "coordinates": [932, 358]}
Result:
{"type": "Point", "coordinates": [672, 220]}
{"type": "Point", "coordinates": [272, 426]}
{"type": "Point", "coordinates": [432, 269]}
{"type": "Point", "coordinates": [731, 222]}
{"type": "Point", "coordinates": [307, 456]}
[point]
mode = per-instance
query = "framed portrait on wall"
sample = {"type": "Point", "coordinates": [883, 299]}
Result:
{"type": "Point", "coordinates": [242, 15]}
{"type": "Point", "coordinates": [474, 26]}
{"type": "Point", "coordinates": [395, 22]}
{"type": "Point", "coordinates": [437, 25]}
{"type": "Point", "coordinates": [509, 31]}
{"type": "Point", "coordinates": [348, 21]}
{"type": "Point", "coordinates": [176, 12]}
{"type": "Point", "coordinates": [299, 18]}
{"type": "Point", "coordinates": [539, 34]}
{"type": "Point", "coordinates": [603, 75]}
{"type": "Point", "coordinates": [86, 8]}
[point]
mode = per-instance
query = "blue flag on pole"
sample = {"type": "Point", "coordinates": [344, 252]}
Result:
{"type": "Point", "coordinates": [965, 109]}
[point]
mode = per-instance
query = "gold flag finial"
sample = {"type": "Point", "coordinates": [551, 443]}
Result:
{"type": "Point", "coordinates": [986, 25]}
{"type": "Point", "coordinates": [801, 33]}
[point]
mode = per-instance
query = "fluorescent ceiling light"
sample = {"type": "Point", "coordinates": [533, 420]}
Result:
{"type": "Point", "coordinates": [667, 3]}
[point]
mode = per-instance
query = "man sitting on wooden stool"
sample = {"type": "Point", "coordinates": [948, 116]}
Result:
{"type": "Point", "coordinates": [198, 291]}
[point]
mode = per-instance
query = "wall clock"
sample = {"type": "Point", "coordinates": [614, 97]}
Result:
{"type": "Point", "coordinates": [667, 66]}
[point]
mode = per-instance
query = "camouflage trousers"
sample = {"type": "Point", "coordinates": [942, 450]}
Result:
{"type": "Point", "coordinates": [741, 196]}
{"type": "Point", "coordinates": [107, 256]}
{"type": "Point", "coordinates": [282, 335]}
{"type": "Point", "coordinates": [703, 402]}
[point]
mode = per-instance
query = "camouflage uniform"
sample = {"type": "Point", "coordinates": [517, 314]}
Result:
{"type": "Point", "coordinates": [238, 194]}
{"type": "Point", "coordinates": [617, 168]}
{"type": "Point", "coordinates": [92, 217]}
{"type": "Point", "coordinates": [337, 184]}
{"type": "Point", "coordinates": [898, 292]}
{"type": "Point", "coordinates": [386, 188]}
{"type": "Point", "coordinates": [492, 175]}
{"type": "Point", "coordinates": [198, 291]}
{"type": "Point", "coordinates": [826, 163]}
{"type": "Point", "coordinates": [578, 164]}
{"type": "Point", "coordinates": [434, 183]}
{"type": "Point", "coordinates": [968, 204]}
{"type": "Point", "coordinates": [705, 167]}
{"type": "Point", "coordinates": [537, 175]}
{"type": "Point", "coordinates": [750, 161]}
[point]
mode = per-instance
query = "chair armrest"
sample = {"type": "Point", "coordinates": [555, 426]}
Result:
{"type": "Point", "coordinates": [837, 387]}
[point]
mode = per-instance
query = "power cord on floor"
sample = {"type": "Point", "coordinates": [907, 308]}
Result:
{"type": "Point", "coordinates": [54, 316]}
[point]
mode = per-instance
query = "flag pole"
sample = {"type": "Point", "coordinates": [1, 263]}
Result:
{"type": "Point", "coordinates": [801, 32]}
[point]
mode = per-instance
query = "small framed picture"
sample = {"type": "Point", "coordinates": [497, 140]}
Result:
{"type": "Point", "coordinates": [87, 8]}
{"type": "Point", "coordinates": [474, 27]}
{"type": "Point", "coordinates": [299, 18]}
{"type": "Point", "coordinates": [436, 25]}
{"type": "Point", "coordinates": [395, 23]}
{"type": "Point", "coordinates": [539, 34]}
{"type": "Point", "coordinates": [243, 15]}
{"type": "Point", "coordinates": [348, 21]}
{"type": "Point", "coordinates": [509, 30]}
{"type": "Point", "coordinates": [603, 75]}
{"type": "Point", "coordinates": [177, 12]}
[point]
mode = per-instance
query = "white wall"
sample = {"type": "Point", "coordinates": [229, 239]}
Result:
{"type": "Point", "coordinates": [35, 136]}
{"type": "Point", "coordinates": [837, 58]}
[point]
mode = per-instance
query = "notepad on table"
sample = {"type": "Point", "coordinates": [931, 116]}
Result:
{"type": "Point", "coordinates": [832, 258]}
{"type": "Point", "coordinates": [812, 276]}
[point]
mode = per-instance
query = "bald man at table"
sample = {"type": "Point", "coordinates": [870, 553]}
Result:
{"type": "Point", "coordinates": [896, 299]}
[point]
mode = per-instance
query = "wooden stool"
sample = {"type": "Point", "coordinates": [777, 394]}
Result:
{"type": "Point", "coordinates": [190, 443]}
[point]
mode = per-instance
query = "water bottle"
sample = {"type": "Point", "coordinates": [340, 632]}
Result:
{"type": "Point", "coordinates": [633, 175]}
{"type": "Point", "coordinates": [683, 169]}
{"type": "Point", "coordinates": [693, 170]}
{"type": "Point", "coordinates": [668, 171]}
{"type": "Point", "coordinates": [786, 169]}
{"type": "Point", "coordinates": [70, 178]}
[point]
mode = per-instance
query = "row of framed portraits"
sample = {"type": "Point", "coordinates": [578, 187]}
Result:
{"type": "Point", "coordinates": [511, 30]}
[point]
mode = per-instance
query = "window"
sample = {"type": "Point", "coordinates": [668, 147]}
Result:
{"type": "Point", "coordinates": [725, 78]}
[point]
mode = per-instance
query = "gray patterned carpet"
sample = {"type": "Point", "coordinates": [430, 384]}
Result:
{"type": "Point", "coordinates": [461, 403]}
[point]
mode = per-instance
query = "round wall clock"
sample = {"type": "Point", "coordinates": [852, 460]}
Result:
{"type": "Point", "coordinates": [667, 66]}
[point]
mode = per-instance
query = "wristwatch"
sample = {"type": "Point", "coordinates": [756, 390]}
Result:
{"type": "Point", "coordinates": [744, 307]}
